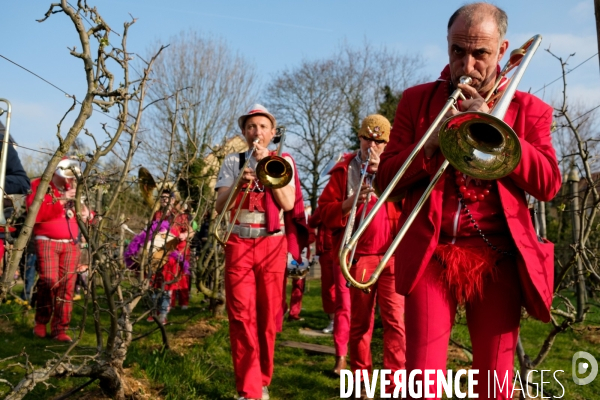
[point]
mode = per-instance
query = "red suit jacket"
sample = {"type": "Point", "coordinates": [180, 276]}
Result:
{"type": "Point", "coordinates": [537, 174]}
{"type": "Point", "coordinates": [334, 194]}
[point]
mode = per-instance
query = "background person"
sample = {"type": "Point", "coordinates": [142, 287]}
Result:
{"type": "Point", "coordinates": [336, 203]}
{"type": "Point", "coordinates": [55, 233]}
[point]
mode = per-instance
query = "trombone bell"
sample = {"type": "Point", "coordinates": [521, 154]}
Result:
{"type": "Point", "coordinates": [480, 145]}
{"type": "Point", "coordinates": [274, 172]}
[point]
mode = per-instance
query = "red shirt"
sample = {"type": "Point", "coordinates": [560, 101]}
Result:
{"type": "Point", "coordinates": [51, 220]}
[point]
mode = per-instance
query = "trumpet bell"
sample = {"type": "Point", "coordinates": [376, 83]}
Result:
{"type": "Point", "coordinates": [480, 145]}
{"type": "Point", "coordinates": [274, 172]}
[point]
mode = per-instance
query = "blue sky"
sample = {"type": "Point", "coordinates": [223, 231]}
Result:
{"type": "Point", "coordinates": [274, 35]}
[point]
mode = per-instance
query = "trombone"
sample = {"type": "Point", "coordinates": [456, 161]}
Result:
{"type": "Point", "coordinates": [275, 171]}
{"type": "Point", "coordinates": [232, 192]}
{"type": "Point", "coordinates": [4, 156]}
{"type": "Point", "coordinates": [272, 171]}
{"type": "Point", "coordinates": [352, 217]}
{"type": "Point", "coordinates": [477, 144]}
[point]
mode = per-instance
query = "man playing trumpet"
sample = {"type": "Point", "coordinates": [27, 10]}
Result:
{"type": "Point", "coordinates": [256, 253]}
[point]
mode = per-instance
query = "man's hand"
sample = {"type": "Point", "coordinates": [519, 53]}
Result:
{"type": "Point", "coordinates": [363, 194]}
{"type": "Point", "coordinates": [261, 152]}
{"type": "Point", "coordinates": [474, 101]}
{"type": "Point", "coordinates": [248, 175]}
{"type": "Point", "coordinates": [373, 163]}
{"type": "Point", "coordinates": [433, 143]}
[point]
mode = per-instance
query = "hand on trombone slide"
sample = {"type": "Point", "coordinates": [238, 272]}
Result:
{"type": "Point", "coordinates": [473, 101]}
{"type": "Point", "coordinates": [363, 196]}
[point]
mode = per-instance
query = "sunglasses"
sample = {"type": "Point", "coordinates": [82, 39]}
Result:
{"type": "Point", "coordinates": [373, 140]}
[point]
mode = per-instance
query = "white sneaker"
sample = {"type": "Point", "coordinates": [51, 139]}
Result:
{"type": "Point", "coordinates": [265, 395]}
{"type": "Point", "coordinates": [329, 328]}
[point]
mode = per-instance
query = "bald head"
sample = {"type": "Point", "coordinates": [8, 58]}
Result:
{"type": "Point", "coordinates": [476, 13]}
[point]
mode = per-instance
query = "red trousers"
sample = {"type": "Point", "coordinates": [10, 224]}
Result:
{"type": "Point", "coordinates": [57, 263]}
{"type": "Point", "coordinates": [254, 274]}
{"type": "Point", "coordinates": [391, 307]}
{"type": "Point", "coordinates": [341, 319]}
{"type": "Point", "coordinates": [295, 301]}
{"type": "Point", "coordinates": [327, 281]}
{"type": "Point", "coordinates": [182, 295]}
{"type": "Point", "coordinates": [493, 322]}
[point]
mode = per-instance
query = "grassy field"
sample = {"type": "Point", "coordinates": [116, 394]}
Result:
{"type": "Point", "coordinates": [198, 366]}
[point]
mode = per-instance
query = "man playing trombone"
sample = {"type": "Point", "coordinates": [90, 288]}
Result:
{"type": "Point", "coordinates": [472, 243]}
{"type": "Point", "coordinates": [342, 202]}
{"type": "Point", "coordinates": [256, 250]}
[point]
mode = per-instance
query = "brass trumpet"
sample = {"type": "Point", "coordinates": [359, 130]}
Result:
{"type": "Point", "coordinates": [477, 144]}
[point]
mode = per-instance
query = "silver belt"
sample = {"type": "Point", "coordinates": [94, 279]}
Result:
{"type": "Point", "coordinates": [248, 232]}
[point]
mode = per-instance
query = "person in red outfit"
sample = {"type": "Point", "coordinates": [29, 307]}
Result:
{"type": "Point", "coordinates": [55, 233]}
{"type": "Point", "coordinates": [324, 252]}
{"type": "Point", "coordinates": [473, 242]}
{"type": "Point", "coordinates": [256, 254]}
{"type": "Point", "coordinates": [336, 205]}
{"type": "Point", "coordinates": [172, 278]}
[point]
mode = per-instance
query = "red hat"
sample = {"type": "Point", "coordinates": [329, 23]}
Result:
{"type": "Point", "coordinates": [256, 109]}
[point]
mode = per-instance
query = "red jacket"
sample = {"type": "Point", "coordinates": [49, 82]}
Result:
{"type": "Point", "coordinates": [51, 220]}
{"type": "Point", "coordinates": [537, 174]}
{"type": "Point", "coordinates": [334, 194]}
{"type": "Point", "coordinates": [323, 240]}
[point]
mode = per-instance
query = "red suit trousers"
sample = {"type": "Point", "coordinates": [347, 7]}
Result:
{"type": "Point", "coordinates": [391, 308]}
{"type": "Point", "coordinates": [341, 319]}
{"type": "Point", "coordinates": [57, 263]}
{"type": "Point", "coordinates": [327, 281]}
{"type": "Point", "coordinates": [254, 274]}
{"type": "Point", "coordinates": [493, 322]}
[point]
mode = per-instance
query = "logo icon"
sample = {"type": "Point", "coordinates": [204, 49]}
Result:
{"type": "Point", "coordinates": [580, 367]}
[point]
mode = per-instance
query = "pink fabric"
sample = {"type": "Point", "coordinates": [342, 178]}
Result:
{"type": "Point", "coordinates": [254, 273]}
{"type": "Point", "coordinates": [391, 306]}
{"type": "Point", "coordinates": [56, 265]}
{"type": "Point", "coordinates": [430, 311]}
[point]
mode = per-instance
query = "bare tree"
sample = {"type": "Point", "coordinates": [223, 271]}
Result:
{"type": "Point", "coordinates": [214, 86]}
{"type": "Point", "coordinates": [108, 91]}
{"type": "Point", "coordinates": [323, 102]}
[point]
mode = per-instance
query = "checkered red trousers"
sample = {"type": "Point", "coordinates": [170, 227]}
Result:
{"type": "Point", "coordinates": [57, 263]}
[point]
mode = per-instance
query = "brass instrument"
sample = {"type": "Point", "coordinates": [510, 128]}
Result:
{"type": "Point", "coordinates": [352, 215]}
{"type": "Point", "coordinates": [275, 171]}
{"type": "Point", "coordinates": [4, 157]}
{"type": "Point", "coordinates": [477, 144]}
{"type": "Point", "coordinates": [147, 186]}
{"type": "Point", "coordinates": [230, 198]}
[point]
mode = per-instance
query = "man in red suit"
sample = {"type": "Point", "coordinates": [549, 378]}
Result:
{"type": "Point", "coordinates": [473, 242]}
{"type": "Point", "coordinates": [256, 254]}
{"type": "Point", "coordinates": [336, 206]}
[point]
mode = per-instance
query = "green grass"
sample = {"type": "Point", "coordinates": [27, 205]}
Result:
{"type": "Point", "coordinates": [203, 369]}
